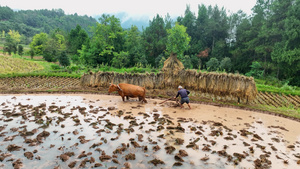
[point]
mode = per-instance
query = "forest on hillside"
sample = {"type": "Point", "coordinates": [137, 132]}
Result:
{"type": "Point", "coordinates": [32, 22]}
{"type": "Point", "coordinates": [265, 44]}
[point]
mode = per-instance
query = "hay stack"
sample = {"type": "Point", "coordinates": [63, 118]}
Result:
{"type": "Point", "coordinates": [172, 65]}
{"type": "Point", "coordinates": [250, 91]}
{"type": "Point", "coordinates": [215, 84]}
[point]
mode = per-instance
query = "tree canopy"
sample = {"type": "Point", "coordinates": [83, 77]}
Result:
{"type": "Point", "coordinates": [264, 44]}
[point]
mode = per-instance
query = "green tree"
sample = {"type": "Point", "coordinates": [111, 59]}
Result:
{"type": "Point", "coordinates": [11, 41]}
{"type": "Point", "coordinates": [76, 38]}
{"type": "Point", "coordinates": [178, 40]}
{"type": "Point", "coordinates": [108, 39]}
{"type": "Point", "coordinates": [6, 13]}
{"type": "Point", "coordinates": [201, 32]}
{"type": "Point", "coordinates": [187, 62]}
{"type": "Point", "coordinates": [287, 52]}
{"type": "Point", "coordinates": [260, 33]}
{"type": "Point", "coordinates": [189, 21]}
{"type": "Point", "coordinates": [226, 64]}
{"type": "Point", "coordinates": [64, 59]}
{"type": "Point", "coordinates": [256, 70]}
{"type": "Point", "coordinates": [20, 50]}
{"type": "Point", "coordinates": [242, 54]}
{"type": "Point", "coordinates": [9, 45]}
{"type": "Point", "coordinates": [50, 51]}
{"type": "Point", "coordinates": [134, 46]}
{"type": "Point", "coordinates": [54, 46]}
{"type": "Point", "coordinates": [212, 64]}
{"type": "Point", "coordinates": [120, 59]}
{"type": "Point", "coordinates": [155, 39]}
{"type": "Point", "coordinates": [38, 43]}
{"type": "Point", "coordinates": [217, 31]}
{"type": "Point", "coordinates": [16, 37]}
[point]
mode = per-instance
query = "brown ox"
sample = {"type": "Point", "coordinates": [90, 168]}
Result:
{"type": "Point", "coordinates": [129, 90]}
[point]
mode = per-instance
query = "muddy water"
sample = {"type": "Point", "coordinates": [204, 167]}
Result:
{"type": "Point", "coordinates": [88, 127]}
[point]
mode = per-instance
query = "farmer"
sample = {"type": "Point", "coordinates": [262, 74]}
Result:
{"type": "Point", "coordinates": [184, 96]}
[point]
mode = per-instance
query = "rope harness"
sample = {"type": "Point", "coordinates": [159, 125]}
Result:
{"type": "Point", "coordinates": [120, 89]}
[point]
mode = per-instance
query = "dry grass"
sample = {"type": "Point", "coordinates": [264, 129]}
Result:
{"type": "Point", "coordinates": [16, 65]}
{"type": "Point", "coordinates": [217, 84]}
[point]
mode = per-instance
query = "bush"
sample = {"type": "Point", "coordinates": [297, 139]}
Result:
{"type": "Point", "coordinates": [213, 64]}
{"type": "Point", "coordinates": [64, 59]}
{"type": "Point", "coordinates": [226, 64]}
{"type": "Point", "coordinates": [55, 67]}
{"type": "Point", "coordinates": [138, 70]}
{"type": "Point", "coordinates": [256, 70]}
{"type": "Point", "coordinates": [74, 68]}
{"type": "Point", "coordinates": [75, 59]}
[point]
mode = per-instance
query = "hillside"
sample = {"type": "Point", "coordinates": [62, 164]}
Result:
{"type": "Point", "coordinates": [17, 65]}
{"type": "Point", "coordinates": [31, 22]}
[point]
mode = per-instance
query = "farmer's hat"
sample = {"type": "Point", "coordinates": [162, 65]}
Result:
{"type": "Point", "coordinates": [179, 87]}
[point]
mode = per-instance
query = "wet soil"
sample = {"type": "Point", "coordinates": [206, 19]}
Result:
{"type": "Point", "coordinates": [85, 131]}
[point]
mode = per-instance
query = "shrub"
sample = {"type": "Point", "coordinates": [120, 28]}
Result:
{"type": "Point", "coordinates": [213, 64]}
{"type": "Point", "coordinates": [55, 67]}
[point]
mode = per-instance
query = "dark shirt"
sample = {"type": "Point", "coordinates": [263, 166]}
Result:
{"type": "Point", "coordinates": [183, 93]}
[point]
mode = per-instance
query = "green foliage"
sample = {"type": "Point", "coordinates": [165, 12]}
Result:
{"type": "Point", "coordinates": [20, 50]}
{"type": "Point", "coordinates": [134, 46]}
{"type": "Point", "coordinates": [178, 40]}
{"type": "Point", "coordinates": [155, 38]}
{"type": "Point", "coordinates": [256, 70]}
{"type": "Point", "coordinates": [120, 59]}
{"type": "Point", "coordinates": [50, 51]}
{"type": "Point", "coordinates": [109, 38]}
{"type": "Point", "coordinates": [187, 62]}
{"type": "Point", "coordinates": [287, 90]}
{"type": "Point", "coordinates": [31, 22]}
{"type": "Point", "coordinates": [55, 67]}
{"type": "Point", "coordinates": [269, 36]}
{"type": "Point", "coordinates": [12, 41]}
{"type": "Point", "coordinates": [213, 64]}
{"type": "Point", "coordinates": [226, 64]}
{"type": "Point", "coordinates": [38, 43]}
{"type": "Point", "coordinates": [76, 38]}
{"type": "Point", "coordinates": [10, 46]}
{"type": "Point", "coordinates": [64, 59]}
{"type": "Point", "coordinates": [6, 13]}
{"type": "Point", "coordinates": [75, 59]}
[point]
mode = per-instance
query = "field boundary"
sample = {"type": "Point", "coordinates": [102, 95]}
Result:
{"type": "Point", "coordinates": [67, 85]}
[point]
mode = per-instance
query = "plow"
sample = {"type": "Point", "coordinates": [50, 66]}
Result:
{"type": "Point", "coordinates": [171, 99]}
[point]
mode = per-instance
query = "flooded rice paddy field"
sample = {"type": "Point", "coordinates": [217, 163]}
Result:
{"type": "Point", "coordinates": [89, 131]}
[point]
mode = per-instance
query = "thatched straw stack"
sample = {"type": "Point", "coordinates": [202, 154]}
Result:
{"type": "Point", "coordinates": [250, 91]}
{"type": "Point", "coordinates": [172, 65]}
{"type": "Point", "coordinates": [216, 84]}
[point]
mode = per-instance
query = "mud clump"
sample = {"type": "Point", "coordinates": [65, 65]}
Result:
{"type": "Point", "coordinates": [105, 158]}
{"type": "Point", "coordinates": [156, 162]}
{"type": "Point", "coordinates": [130, 156]}
{"type": "Point", "coordinates": [170, 149]}
{"type": "Point", "coordinates": [13, 147]}
{"type": "Point", "coordinates": [28, 155]}
{"type": "Point", "coordinates": [17, 164]}
{"type": "Point", "coordinates": [139, 137]}
{"type": "Point", "coordinates": [64, 157]}
{"type": "Point", "coordinates": [72, 164]}
{"type": "Point", "coordinates": [205, 158]}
